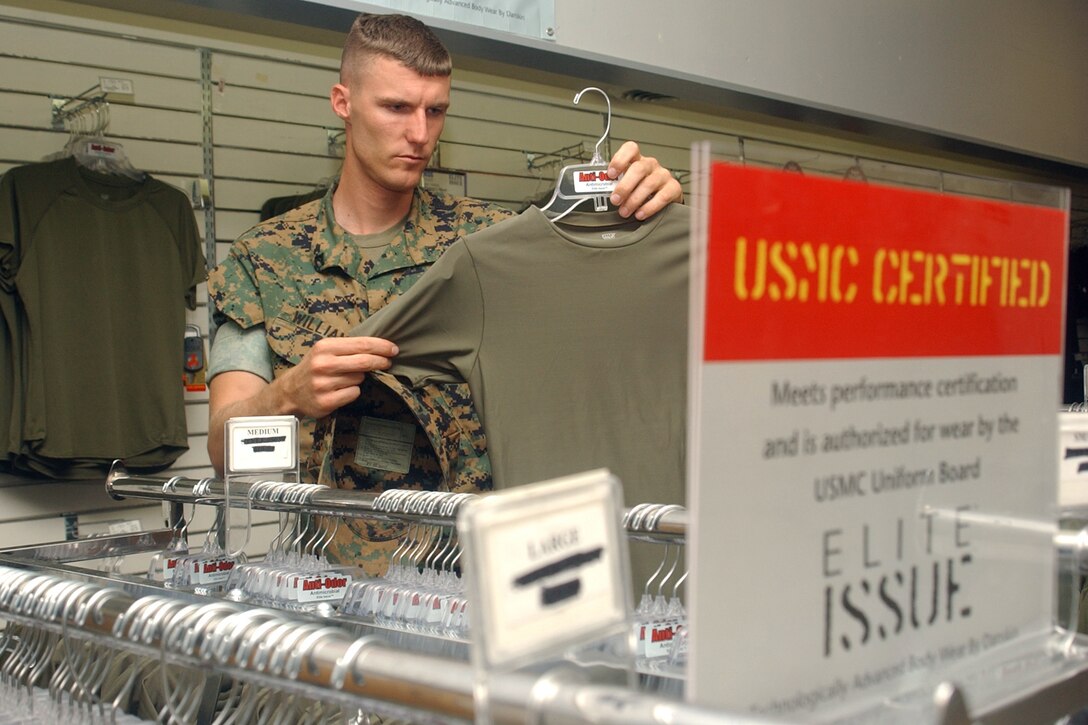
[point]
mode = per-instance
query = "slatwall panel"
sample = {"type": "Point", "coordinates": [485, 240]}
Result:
{"type": "Point", "coordinates": [270, 133]}
{"type": "Point", "coordinates": [160, 130]}
{"type": "Point", "coordinates": [271, 123]}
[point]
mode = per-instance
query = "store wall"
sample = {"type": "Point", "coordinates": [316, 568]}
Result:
{"type": "Point", "coordinates": [271, 128]}
{"type": "Point", "coordinates": [1007, 73]}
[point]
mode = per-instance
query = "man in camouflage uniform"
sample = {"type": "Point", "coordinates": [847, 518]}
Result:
{"type": "Point", "coordinates": [293, 286]}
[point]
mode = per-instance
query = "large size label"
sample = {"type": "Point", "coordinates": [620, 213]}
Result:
{"type": "Point", "coordinates": [872, 445]}
{"type": "Point", "coordinates": [545, 570]}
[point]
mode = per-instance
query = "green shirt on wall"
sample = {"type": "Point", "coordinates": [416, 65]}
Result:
{"type": "Point", "coordinates": [95, 273]}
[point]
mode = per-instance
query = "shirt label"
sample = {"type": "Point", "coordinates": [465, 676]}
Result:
{"type": "Point", "coordinates": [385, 444]}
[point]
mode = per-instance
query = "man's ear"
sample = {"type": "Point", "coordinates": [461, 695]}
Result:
{"type": "Point", "coordinates": [340, 99]}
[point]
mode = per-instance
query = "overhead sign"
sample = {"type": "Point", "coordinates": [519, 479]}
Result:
{"type": "Point", "coordinates": [534, 18]}
{"type": "Point", "coordinates": [872, 470]}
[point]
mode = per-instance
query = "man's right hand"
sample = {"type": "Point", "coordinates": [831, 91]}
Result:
{"type": "Point", "coordinates": [330, 374]}
{"type": "Point", "coordinates": [327, 378]}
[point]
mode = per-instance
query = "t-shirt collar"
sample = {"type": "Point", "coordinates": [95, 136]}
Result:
{"type": "Point", "coordinates": [334, 246]}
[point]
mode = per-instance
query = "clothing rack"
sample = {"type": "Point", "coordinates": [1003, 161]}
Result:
{"type": "Point", "coordinates": [86, 114]}
{"type": "Point", "coordinates": [652, 522]}
{"type": "Point", "coordinates": [580, 152]}
{"type": "Point", "coordinates": [312, 657]}
{"type": "Point", "coordinates": [332, 661]}
{"type": "Point", "coordinates": [324, 662]}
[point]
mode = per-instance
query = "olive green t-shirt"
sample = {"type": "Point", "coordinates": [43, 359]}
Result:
{"type": "Point", "coordinates": [101, 268]}
{"type": "Point", "coordinates": [572, 338]}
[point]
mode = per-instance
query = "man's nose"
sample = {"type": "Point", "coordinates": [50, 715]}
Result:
{"type": "Point", "coordinates": [416, 131]}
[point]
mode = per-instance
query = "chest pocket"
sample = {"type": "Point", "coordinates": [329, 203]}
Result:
{"type": "Point", "coordinates": [289, 342]}
{"type": "Point", "coordinates": [382, 288]}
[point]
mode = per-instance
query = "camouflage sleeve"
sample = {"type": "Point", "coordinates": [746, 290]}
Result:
{"type": "Point", "coordinates": [233, 289]}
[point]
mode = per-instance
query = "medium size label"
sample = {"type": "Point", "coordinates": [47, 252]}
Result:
{"type": "Point", "coordinates": [265, 443]}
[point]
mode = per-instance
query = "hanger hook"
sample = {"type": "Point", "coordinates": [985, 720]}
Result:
{"type": "Point", "coordinates": [597, 159]}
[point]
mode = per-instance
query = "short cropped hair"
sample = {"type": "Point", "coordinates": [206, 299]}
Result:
{"type": "Point", "coordinates": [400, 37]}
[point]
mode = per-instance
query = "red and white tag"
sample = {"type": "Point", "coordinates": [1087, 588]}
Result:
{"type": "Point", "coordinates": [592, 181]}
{"type": "Point", "coordinates": [321, 588]}
{"type": "Point", "coordinates": [212, 571]}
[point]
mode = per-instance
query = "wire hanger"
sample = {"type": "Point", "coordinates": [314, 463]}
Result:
{"type": "Point", "coordinates": [579, 183]}
{"type": "Point", "coordinates": [855, 172]}
{"type": "Point", "coordinates": [87, 124]}
{"type": "Point", "coordinates": [105, 156]}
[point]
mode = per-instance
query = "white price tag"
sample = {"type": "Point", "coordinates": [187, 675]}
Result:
{"type": "Point", "coordinates": [554, 571]}
{"type": "Point", "coordinates": [1073, 459]}
{"type": "Point", "coordinates": [125, 527]}
{"type": "Point", "coordinates": [119, 86]}
{"type": "Point", "coordinates": [262, 443]}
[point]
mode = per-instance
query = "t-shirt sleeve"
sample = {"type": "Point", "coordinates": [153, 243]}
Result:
{"type": "Point", "coordinates": [196, 268]}
{"type": "Point", "coordinates": [233, 290]}
{"type": "Point", "coordinates": [9, 252]}
{"type": "Point", "coordinates": [437, 324]}
{"type": "Point", "coordinates": [176, 212]}
{"type": "Point", "coordinates": [236, 349]}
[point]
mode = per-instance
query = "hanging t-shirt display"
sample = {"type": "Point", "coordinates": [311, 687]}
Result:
{"type": "Point", "coordinates": [95, 270]}
{"type": "Point", "coordinates": [572, 337]}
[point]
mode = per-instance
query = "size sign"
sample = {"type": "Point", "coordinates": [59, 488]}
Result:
{"type": "Point", "coordinates": [1073, 459]}
{"type": "Point", "coordinates": [547, 567]}
{"type": "Point", "coordinates": [262, 443]}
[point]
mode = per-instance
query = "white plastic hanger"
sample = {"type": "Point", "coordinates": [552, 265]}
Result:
{"type": "Point", "coordinates": [87, 123]}
{"type": "Point", "coordinates": [104, 156]}
{"type": "Point", "coordinates": [579, 183]}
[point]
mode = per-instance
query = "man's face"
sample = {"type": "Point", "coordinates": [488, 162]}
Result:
{"type": "Point", "coordinates": [394, 118]}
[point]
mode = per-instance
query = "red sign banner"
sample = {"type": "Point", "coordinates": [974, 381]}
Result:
{"type": "Point", "coordinates": [800, 267]}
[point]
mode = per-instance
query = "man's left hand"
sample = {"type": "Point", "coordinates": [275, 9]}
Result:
{"type": "Point", "coordinates": [646, 188]}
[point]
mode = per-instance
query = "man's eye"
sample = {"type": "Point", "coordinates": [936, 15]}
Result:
{"type": "Point", "coordinates": [436, 111]}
